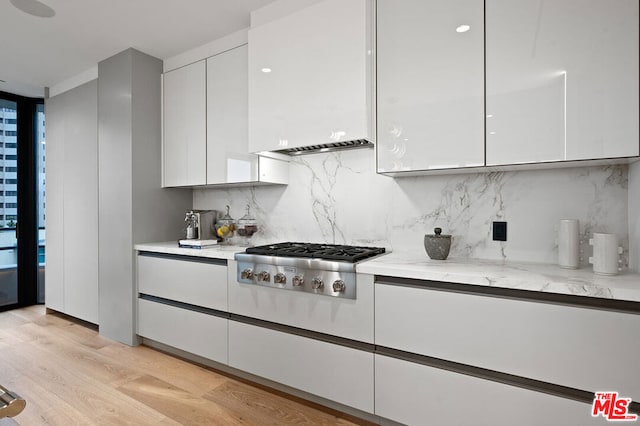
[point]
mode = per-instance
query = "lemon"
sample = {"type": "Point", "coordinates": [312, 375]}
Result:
{"type": "Point", "coordinates": [223, 230]}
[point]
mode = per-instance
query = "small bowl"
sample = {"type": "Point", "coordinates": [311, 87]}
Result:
{"type": "Point", "coordinates": [437, 245]}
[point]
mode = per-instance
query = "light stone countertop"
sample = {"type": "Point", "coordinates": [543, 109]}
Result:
{"type": "Point", "coordinates": [511, 275]}
{"type": "Point", "coordinates": [220, 251]}
{"type": "Point", "coordinates": [491, 273]}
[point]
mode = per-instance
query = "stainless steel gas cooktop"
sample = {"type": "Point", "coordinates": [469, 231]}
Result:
{"type": "Point", "coordinates": [326, 269]}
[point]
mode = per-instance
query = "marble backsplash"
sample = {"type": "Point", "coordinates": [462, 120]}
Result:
{"type": "Point", "coordinates": [634, 216]}
{"type": "Point", "coordinates": [338, 198]}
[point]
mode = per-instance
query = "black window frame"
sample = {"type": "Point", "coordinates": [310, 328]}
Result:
{"type": "Point", "coordinates": [27, 187]}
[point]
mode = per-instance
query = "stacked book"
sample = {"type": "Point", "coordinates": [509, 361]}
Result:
{"type": "Point", "coordinates": [197, 244]}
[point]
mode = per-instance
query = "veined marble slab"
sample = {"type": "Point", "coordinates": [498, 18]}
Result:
{"type": "Point", "coordinates": [512, 275]}
{"type": "Point", "coordinates": [221, 251]}
{"type": "Point", "coordinates": [338, 198]}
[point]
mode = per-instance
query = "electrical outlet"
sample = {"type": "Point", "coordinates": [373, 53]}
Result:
{"type": "Point", "coordinates": [499, 231]}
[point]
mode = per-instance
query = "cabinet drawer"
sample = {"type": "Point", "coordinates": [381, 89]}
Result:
{"type": "Point", "coordinates": [200, 334]}
{"type": "Point", "coordinates": [196, 282]}
{"type": "Point", "coordinates": [417, 394]}
{"type": "Point", "coordinates": [331, 371]}
{"type": "Point", "coordinates": [587, 349]}
{"type": "Point", "coordinates": [349, 318]}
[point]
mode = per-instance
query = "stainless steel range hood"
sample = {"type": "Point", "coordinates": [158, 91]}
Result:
{"type": "Point", "coordinates": [327, 147]}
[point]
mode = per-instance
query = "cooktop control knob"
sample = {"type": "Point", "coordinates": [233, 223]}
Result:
{"type": "Point", "coordinates": [247, 274]}
{"type": "Point", "coordinates": [298, 281]}
{"type": "Point", "coordinates": [338, 286]}
{"type": "Point", "coordinates": [279, 278]}
{"type": "Point", "coordinates": [264, 276]}
{"type": "Point", "coordinates": [317, 283]}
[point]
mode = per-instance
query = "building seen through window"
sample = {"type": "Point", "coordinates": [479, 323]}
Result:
{"type": "Point", "coordinates": [9, 167]}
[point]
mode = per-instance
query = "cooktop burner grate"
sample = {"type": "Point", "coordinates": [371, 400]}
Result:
{"type": "Point", "coordinates": [343, 253]}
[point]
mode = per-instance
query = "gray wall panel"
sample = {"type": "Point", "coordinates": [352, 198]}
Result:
{"type": "Point", "coordinates": [115, 175]}
{"type": "Point", "coordinates": [133, 207]}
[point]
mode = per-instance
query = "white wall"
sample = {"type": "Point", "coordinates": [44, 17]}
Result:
{"type": "Point", "coordinates": [338, 198]}
{"type": "Point", "coordinates": [75, 81]}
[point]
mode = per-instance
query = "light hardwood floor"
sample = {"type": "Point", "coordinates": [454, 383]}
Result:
{"type": "Point", "coordinates": [70, 375]}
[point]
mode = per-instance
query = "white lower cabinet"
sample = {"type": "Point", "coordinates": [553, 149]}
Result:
{"type": "Point", "coordinates": [349, 318]}
{"type": "Point", "coordinates": [417, 394]}
{"type": "Point", "coordinates": [197, 282]}
{"type": "Point", "coordinates": [195, 332]}
{"type": "Point", "coordinates": [554, 343]}
{"type": "Point", "coordinates": [183, 303]}
{"type": "Point", "coordinates": [328, 370]}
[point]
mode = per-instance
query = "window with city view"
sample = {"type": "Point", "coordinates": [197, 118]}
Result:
{"type": "Point", "coordinates": [8, 165]}
{"type": "Point", "coordinates": [9, 140]}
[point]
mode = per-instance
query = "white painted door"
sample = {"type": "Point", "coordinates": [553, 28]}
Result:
{"type": "Point", "coordinates": [310, 77]}
{"type": "Point", "coordinates": [416, 394]}
{"type": "Point", "coordinates": [81, 204]}
{"type": "Point", "coordinates": [430, 76]}
{"type": "Point", "coordinates": [184, 120]}
{"type": "Point", "coordinates": [228, 158]}
{"type": "Point", "coordinates": [72, 211]}
{"type": "Point", "coordinates": [543, 341]}
{"type": "Point", "coordinates": [331, 371]}
{"type": "Point", "coordinates": [562, 80]}
{"type": "Point", "coordinates": [195, 332]}
{"type": "Point", "coordinates": [54, 288]}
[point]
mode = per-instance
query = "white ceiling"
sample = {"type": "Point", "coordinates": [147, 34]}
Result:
{"type": "Point", "coordinates": [38, 52]}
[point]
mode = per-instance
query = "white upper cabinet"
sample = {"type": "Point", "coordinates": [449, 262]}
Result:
{"type": "Point", "coordinates": [228, 158]}
{"type": "Point", "coordinates": [184, 121]}
{"type": "Point", "coordinates": [205, 126]}
{"type": "Point", "coordinates": [310, 77]}
{"type": "Point", "coordinates": [562, 80]}
{"type": "Point", "coordinates": [430, 93]}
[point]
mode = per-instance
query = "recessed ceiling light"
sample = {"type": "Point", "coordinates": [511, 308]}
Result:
{"type": "Point", "coordinates": [34, 8]}
{"type": "Point", "coordinates": [463, 28]}
{"type": "Point", "coordinates": [265, 70]}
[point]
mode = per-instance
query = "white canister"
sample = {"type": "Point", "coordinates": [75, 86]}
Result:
{"type": "Point", "coordinates": [569, 244]}
{"type": "Point", "coordinates": [606, 253]}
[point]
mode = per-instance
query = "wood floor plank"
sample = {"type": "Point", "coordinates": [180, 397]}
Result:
{"type": "Point", "coordinates": [96, 400]}
{"type": "Point", "coordinates": [84, 359]}
{"type": "Point", "coordinates": [261, 408]}
{"type": "Point", "coordinates": [70, 375]}
{"type": "Point", "coordinates": [10, 320]}
{"type": "Point", "coordinates": [35, 313]}
{"type": "Point", "coordinates": [177, 403]}
{"type": "Point", "coordinates": [183, 374]}
{"type": "Point", "coordinates": [75, 330]}
{"type": "Point", "coordinates": [44, 407]}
